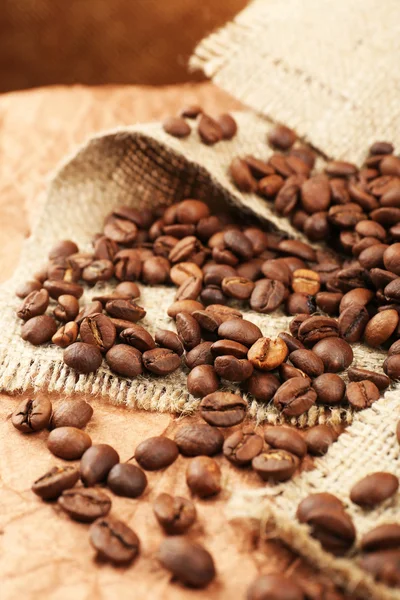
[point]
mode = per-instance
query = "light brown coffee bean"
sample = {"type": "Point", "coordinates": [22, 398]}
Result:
{"type": "Point", "coordinates": [275, 465]}
{"type": "Point", "coordinates": [319, 439]}
{"type": "Point", "coordinates": [380, 327]}
{"type": "Point", "coordinates": [156, 453]}
{"type": "Point", "coordinates": [374, 489]}
{"type": "Point", "coordinates": [66, 335]}
{"type": "Point", "coordinates": [188, 561]}
{"type": "Point", "coordinates": [203, 476]}
{"type": "Point", "coordinates": [306, 281]}
{"type": "Point", "coordinates": [286, 438]}
{"type": "Point", "coordinates": [362, 394]}
{"type": "Point", "coordinates": [266, 354]}
{"type": "Point", "coordinates": [174, 513]}
{"type": "Point", "coordinates": [32, 414]}
{"type": "Point", "coordinates": [76, 413]}
{"type": "Point", "coordinates": [68, 443]}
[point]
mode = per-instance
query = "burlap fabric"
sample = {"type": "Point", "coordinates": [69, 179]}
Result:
{"type": "Point", "coordinates": [328, 69]}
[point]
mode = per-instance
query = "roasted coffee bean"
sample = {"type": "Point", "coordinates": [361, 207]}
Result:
{"type": "Point", "coordinates": [155, 270]}
{"type": "Point", "coordinates": [298, 249]}
{"type": "Point", "coordinates": [55, 481]}
{"type": "Point", "coordinates": [187, 306]}
{"type": "Point", "coordinates": [114, 541]}
{"type": "Point", "coordinates": [98, 270]}
{"type": "Point", "coordinates": [224, 257]}
{"type": "Point", "coordinates": [352, 323]}
{"type": "Point", "coordinates": [232, 368]}
{"type": "Point", "coordinates": [66, 335]}
{"type": "Point", "coordinates": [169, 339]}
{"type": "Point", "coordinates": [188, 330]}
{"type": "Point", "coordinates": [267, 295]}
{"type": "Point", "coordinates": [340, 168]}
{"type": "Point", "coordinates": [357, 296]}
{"type": "Point", "coordinates": [287, 371]}
{"type": "Point", "coordinates": [128, 265]}
{"type": "Point", "coordinates": [64, 270]}
{"type": "Point", "coordinates": [383, 566]}
{"type": "Point", "coordinates": [242, 176]}
{"type": "Point", "coordinates": [28, 287]}
{"type": "Point", "coordinates": [191, 112]}
{"type": "Point", "coordinates": [276, 269]}
{"type": "Point", "coordinates": [125, 360]}
{"type": "Point", "coordinates": [317, 328]}
{"type": "Point", "coordinates": [391, 258]}
{"type": "Point", "coordinates": [202, 380]}
{"type": "Point", "coordinates": [381, 148]}
{"type": "Point", "coordinates": [67, 308]}
{"type": "Point", "coordinates": [68, 443]}
{"type": "Point", "coordinates": [380, 327]}
{"type": "Point", "coordinates": [125, 309]}
{"type": "Point", "coordinates": [96, 463]}
{"type": "Point", "coordinates": [88, 311]}
{"type": "Point", "coordinates": [274, 587]}
{"type": "Point", "coordinates": [120, 324]}
{"type": "Point", "coordinates": [287, 198]}
{"type": "Point", "coordinates": [189, 290]}
{"type": "Point", "coordinates": [228, 126]}
{"type": "Point", "coordinates": [239, 330]}
{"type": "Point", "coordinates": [39, 330]}
{"type": "Point", "coordinates": [207, 227]}
{"type": "Point", "coordinates": [300, 304]}
{"type": "Point", "coordinates": [316, 501]}
{"type": "Point", "coordinates": [128, 288]}
{"type": "Point", "coordinates": [392, 291]}
{"type": "Point", "coordinates": [266, 354]}
{"type": "Point", "coordinates": [315, 194]}
{"type": "Point", "coordinates": [127, 480]}
{"type": "Point", "coordinates": [104, 249]}
{"type": "Point", "coordinates": [32, 414]}
{"type": "Point", "coordinates": [98, 330]}
{"type": "Point", "coordinates": [262, 385]}
{"type": "Point", "coordinates": [156, 453]}
{"type": "Point", "coordinates": [143, 218]}
{"type": "Point", "coordinates": [138, 337]}
{"type": "Point", "coordinates": [212, 294]}
{"type": "Point", "coordinates": [317, 227]}
{"type": "Point", "coordinates": [200, 355]}
{"type": "Point", "coordinates": [258, 168]}
{"type": "Point", "coordinates": [85, 505]}
{"type": "Point", "coordinates": [76, 413]}
{"type": "Point", "coordinates": [174, 513]}
{"type": "Point", "coordinates": [295, 323]}
{"type": "Point", "coordinates": [374, 489]}
{"type": "Point", "coordinates": [189, 562]}
{"type": "Point", "coordinates": [362, 394]}
{"type": "Point", "coordinates": [381, 278]}
{"type": "Point", "coordinates": [281, 137]}
{"type": "Point", "coordinates": [242, 446]}
{"type": "Point", "coordinates": [35, 304]}
{"type": "Point", "coordinates": [329, 524]}
{"type": "Point", "coordinates": [161, 361]}
{"type": "Point", "coordinates": [270, 186]}
{"type": "Point", "coordinates": [198, 439]}
{"type": "Point", "coordinates": [224, 313]}
{"type": "Point", "coordinates": [308, 362]}
{"type": "Point", "coordinates": [379, 379]}
{"type": "Point", "coordinates": [291, 342]}
{"type": "Point", "coordinates": [223, 409]}
{"type": "Point", "coordinates": [275, 465]}
{"type": "Point", "coordinates": [84, 358]}
{"type": "Point", "coordinates": [295, 397]}
{"type": "Point", "coordinates": [394, 349]}
{"type": "Point", "coordinates": [185, 249]}
{"type": "Point", "coordinates": [382, 537]}
{"type": "Point", "coordinates": [209, 130]}
{"type": "Point", "coordinates": [335, 353]}
{"type": "Point", "coordinates": [306, 282]}
{"type": "Point", "coordinates": [214, 274]}
{"type": "Point", "coordinates": [63, 249]}
{"type": "Point", "coordinates": [59, 288]}
{"type": "Point", "coordinates": [229, 347]}
{"type": "Point", "coordinates": [391, 366]}
{"type": "Point", "coordinates": [120, 231]}
{"type": "Point", "coordinates": [238, 243]}
{"type": "Point", "coordinates": [330, 388]}
{"type": "Point", "coordinates": [203, 476]}
{"type": "Point", "coordinates": [318, 439]}
{"type": "Point", "coordinates": [177, 127]}
{"type": "Point", "coordinates": [237, 287]}
{"type": "Point", "coordinates": [286, 438]}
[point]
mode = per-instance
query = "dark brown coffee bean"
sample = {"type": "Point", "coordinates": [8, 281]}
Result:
{"type": "Point", "coordinates": [187, 306]}
{"type": "Point", "coordinates": [266, 354]}
{"type": "Point", "coordinates": [85, 505]}
{"type": "Point", "coordinates": [98, 330]}
{"type": "Point", "coordinates": [156, 453]}
{"type": "Point", "coordinates": [242, 446]}
{"type": "Point", "coordinates": [317, 328]}
{"type": "Point", "coordinates": [275, 465]}
{"type": "Point", "coordinates": [188, 330]}
{"type": "Point", "coordinates": [258, 168]}
{"type": "Point", "coordinates": [287, 197]}
{"type": "Point", "coordinates": [274, 587]}
{"type": "Point", "coordinates": [391, 366]}
{"type": "Point", "coordinates": [229, 347]}
{"type": "Point", "coordinates": [228, 126]}
{"type": "Point", "coordinates": [392, 291]}
{"type": "Point", "coordinates": [237, 287]}
{"type": "Point", "coordinates": [55, 481]}
{"type": "Point", "coordinates": [286, 438]}
{"type": "Point", "coordinates": [359, 296]}
{"type": "Point", "coordinates": [318, 439]}
{"type": "Point", "coordinates": [174, 513]}
{"type": "Point", "coordinates": [232, 368]}
{"type": "Point", "coordinates": [298, 249]}
{"type": "Point", "coordinates": [308, 362]}
{"type": "Point", "coordinates": [380, 327]}
{"type": "Point", "coordinates": [287, 371]}
{"type": "Point", "coordinates": [128, 288]}
{"type": "Point", "coordinates": [200, 355]}
{"type": "Point", "coordinates": [125, 360]}
{"type": "Point", "coordinates": [295, 397]}
{"type": "Point", "coordinates": [352, 323]}
{"type": "Point", "coordinates": [223, 409]}
{"type": "Point", "coordinates": [313, 501]}
{"type": "Point", "coordinates": [126, 310]}
{"type": "Point", "coordinates": [330, 388]}
{"type": "Point", "coordinates": [335, 353]}
{"type": "Point", "coordinates": [207, 227]}
{"type": "Point", "coordinates": [127, 265]}
{"type": "Point", "coordinates": [96, 463]}
{"type": "Point", "coordinates": [68, 443]}
{"type": "Point", "coordinates": [104, 249]}
{"type": "Point", "coordinates": [315, 194]}
{"type": "Point", "coordinates": [161, 361]}
{"type": "Point", "coordinates": [24, 289]}
{"type": "Point", "coordinates": [267, 295]}
{"type": "Point", "coordinates": [39, 330]}
{"type": "Point", "coordinates": [32, 414]}
{"type": "Point", "coordinates": [216, 273]}
{"type": "Point", "coordinates": [382, 537]}
{"type": "Point", "coordinates": [328, 302]}
{"type": "Point", "coordinates": [127, 480]}
{"type": "Point", "coordinates": [280, 136]}
{"type": "Point", "coordinates": [76, 413]}
{"type": "Point", "coordinates": [212, 294]}
{"type": "Point", "coordinates": [35, 304]}
{"type": "Point", "coordinates": [169, 339]}
{"type": "Point", "coordinates": [84, 358]}
{"type": "Point", "coordinates": [67, 308]}
{"type": "Point", "coordinates": [381, 148]}
{"type": "Point", "coordinates": [394, 349]}
{"type": "Point", "coordinates": [270, 186]}
{"type": "Point", "coordinates": [202, 380]}
{"type": "Point", "coordinates": [114, 541]}
{"type": "Point", "coordinates": [177, 127]}
{"type": "Point", "coordinates": [155, 270]}
{"type": "Point", "coordinates": [374, 489]}
{"type": "Point", "coordinates": [189, 290]}
{"type": "Point", "coordinates": [238, 243]}
{"type": "Point", "coordinates": [177, 232]}
{"type": "Point", "coordinates": [291, 342]}
{"type": "Point", "coordinates": [198, 439]}
{"type": "Point", "coordinates": [278, 270]}
{"type": "Point", "coordinates": [224, 257]}
{"type": "Point", "coordinates": [386, 216]}
{"type": "Point", "coordinates": [89, 310]}
{"type": "Point", "coordinates": [239, 330]}
{"type": "Point", "coordinates": [209, 130]}
{"type": "Point", "coordinates": [383, 566]}
{"type": "Point", "coordinates": [138, 337]}
{"type": "Point", "coordinates": [379, 379]}
{"type": "Point", "coordinates": [362, 394]}
{"type": "Point", "coordinates": [188, 561]}
{"type": "Point", "coordinates": [381, 278]}
{"type": "Point", "coordinates": [300, 304]}
{"type": "Point", "coordinates": [332, 526]}
{"type": "Point", "coordinates": [262, 385]}
{"type": "Point", "coordinates": [242, 175]}
{"type": "Point", "coordinates": [59, 288]}
{"type": "Point", "coordinates": [203, 476]}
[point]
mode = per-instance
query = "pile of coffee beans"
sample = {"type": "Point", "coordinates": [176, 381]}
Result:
{"type": "Point", "coordinates": [210, 131]}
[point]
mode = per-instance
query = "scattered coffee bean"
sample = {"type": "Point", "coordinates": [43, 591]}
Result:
{"type": "Point", "coordinates": [335, 353]}
{"type": "Point", "coordinates": [374, 489]}
{"type": "Point", "coordinates": [84, 358]}
{"type": "Point", "coordinates": [188, 330]}
{"type": "Point", "coordinates": [330, 388]}
{"type": "Point", "coordinates": [295, 397]}
{"type": "Point", "coordinates": [67, 308]}
{"type": "Point", "coordinates": [223, 409]}
{"type": "Point", "coordinates": [177, 127]}
{"type": "Point", "coordinates": [55, 481]}
{"type": "Point", "coordinates": [66, 335]}
{"type": "Point", "coordinates": [275, 465]}
{"type": "Point", "coordinates": [85, 505]}
{"type": "Point", "coordinates": [209, 130]}
{"type": "Point", "coordinates": [262, 385]}
{"type": "Point", "coordinates": [76, 413]}
{"type": "Point", "coordinates": [199, 439]}
{"type": "Point", "coordinates": [362, 394]}
{"type": "Point", "coordinates": [379, 379]}
{"type": "Point", "coordinates": [68, 443]}
{"type": "Point", "coordinates": [281, 137]}
{"type": "Point", "coordinates": [382, 537]}
{"type": "Point", "coordinates": [202, 380]}
{"type": "Point", "coordinates": [124, 360]}
{"type": "Point", "coordinates": [35, 304]}
{"type": "Point", "coordinates": [232, 368]}
{"type": "Point", "coordinates": [286, 438]}
{"type": "Point", "coordinates": [188, 561]}
{"type": "Point", "coordinates": [239, 330]}
{"type": "Point", "coordinates": [127, 480]}
{"type": "Point", "coordinates": [380, 327]}
{"type": "Point", "coordinates": [203, 476]}
{"type": "Point", "coordinates": [39, 330]}
{"type": "Point", "coordinates": [96, 463]}
{"type": "Point", "coordinates": [32, 414]}
{"type": "Point", "coordinates": [174, 513]}
{"type": "Point", "coordinates": [308, 362]}
{"type": "Point", "coordinates": [169, 339]}
{"type": "Point", "coordinates": [114, 541]}
{"type": "Point", "coordinates": [156, 453]}
{"type": "Point", "coordinates": [318, 439]}
{"type": "Point", "coordinates": [161, 361]}
{"type": "Point", "coordinates": [242, 446]}
{"type": "Point", "coordinates": [99, 331]}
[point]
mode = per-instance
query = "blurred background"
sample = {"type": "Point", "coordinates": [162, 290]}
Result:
{"type": "Point", "coordinates": [44, 42]}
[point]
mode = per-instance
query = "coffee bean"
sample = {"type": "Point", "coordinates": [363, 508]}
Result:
{"type": "Point", "coordinates": [177, 127]}
{"type": "Point", "coordinates": [242, 446]}
{"type": "Point", "coordinates": [174, 513]}
{"type": "Point", "coordinates": [198, 439]}
{"type": "Point", "coordinates": [291, 342]}
{"type": "Point", "coordinates": [169, 339]}
{"type": "Point", "coordinates": [35, 304]}
{"type": "Point", "coordinates": [223, 409]}
{"type": "Point", "coordinates": [99, 331]}
{"type": "Point", "coordinates": [96, 463]}
{"type": "Point", "coordinates": [161, 361]}
{"type": "Point", "coordinates": [237, 287]}
{"type": "Point", "coordinates": [224, 313]}
{"type": "Point", "coordinates": [121, 231]}
{"type": "Point", "coordinates": [232, 368]}
{"type": "Point", "coordinates": [156, 453]}
{"type": "Point", "coordinates": [262, 385]}
{"type": "Point", "coordinates": [59, 288]}
{"type": "Point", "coordinates": [127, 480]}
{"type": "Point", "coordinates": [275, 465]}
{"type": "Point", "coordinates": [68, 443]}
{"type": "Point", "coordinates": [200, 355]}
{"type": "Point", "coordinates": [286, 438]}
{"type": "Point", "coordinates": [287, 371]}
{"type": "Point", "coordinates": [85, 505]}
{"type": "Point", "coordinates": [380, 327]}
{"type": "Point", "coordinates": [187, 306]}
{"type": "Point", "coordinates": [76, 413]}
{"type": "Point", "coordinates": [329, 524]}
{"type": "Point", "coordinates": [188, 330]}
{"type": "Point", "coordinates": [335, 353]}
{"type": "Point", "coordinates": [38, 330]}
{"type": "Point", "coordinates": [67, 308]}
{"type": "Point", "coordinates": [228, 126]}
{"type": "Point", "coordinates": [191, 112]}
{"type": "Point", "coordinates": [188, 561]}
{"type": "Point", "coordinates": [277, 270]}
{"type": "Point", "coordinates": [362, 394]}
{"type": "Point", "coordinates": [300, 304]}
{"type": "Point", "coordinates": [383, 566]}
{"type": "Point", "coordinates": [189, 290]}
{"type": "Point", "coordinates": [391, 366]}
{"type": "Point", "coordinates": [317, 328]}
{"type": "Point", "coordinates": [125, 360]}
{"type": "Point", "coordinates": [266, 354]}
{"type": "Point", "coordinates": [274, 587]}
{"type": "Point", "coordinates": [379, 379]}
{"type": "Point", "coordinates": [202, 380]}
{"type": "Point", "coordinates": [281, 137]}
{"type": "Point", "coordinates": [352, 323]}
{"type": "Point", "coordinates": [32, 414]}
{"type": "Point", "coordinates": [114, 541]}
{"type": "Point", "coordinates": [374, 489]}
{"type": "Point", "coordinates": [128, 288]}
{"type": "Point", "coordinates": [258, 168]}
{"type": "Point", "coordinates": [228, 347]}
{"type": "Point", "coordinates": [295, 397]}
{"type": "Point", "coordinates": [209, 130]}
{"type": "Point", "coordinates": [24, 289]}
{"type": "Point", "coordinates": [318, 439]}
{"type": "Point", "coordinates": [55, 481]}
{"type": "Point", "coordinates": [89, 310]}
{"type": "Point", "coordinates": [382, 537]}
{"type": "Point", "coordinates": [239, 330]}
{"type": "Point", "coordinates": [308, 362]}
{"type": "Point", "coordinates": [330, 388]}
{"type": "Point", "coordinates": [63, 248]}
{"type": "Point", "coordinates": [315, 194]}
{"type": "Point", "coordinates": [126, 310]}
{"type": "Point", "coordinates": [267, 295]}
{"type": "Point", "coordinates": [358, 296]}
{"type": "Point", "coordinates": [298, 249]}
{"type": "Point", "coordinates": [138, 337]}
{"type": "Point", "coordinates": [84, 358]}
{"type": "Point", "coordinates": [306, 281]}
{"type": "Point", "coordinates": [242, 175]}
{"type": "Point", "coordinates": [203, 476]}
{"type": "Point", "coordinates": [314, 501]}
